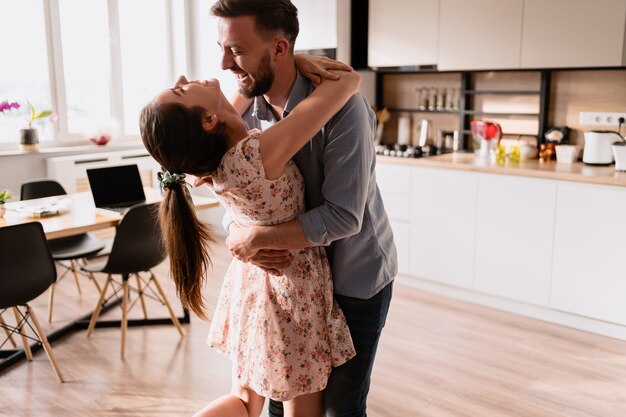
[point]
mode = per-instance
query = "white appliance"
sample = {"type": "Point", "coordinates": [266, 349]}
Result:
{"type": "Point", "coordinates": [598, 146]}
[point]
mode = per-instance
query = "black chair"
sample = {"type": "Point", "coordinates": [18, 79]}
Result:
{"type": "Point", "coordinates": [137, 247]}
{"type": "Point", "coordinates": [66, 251]}
{"type": "Point", "coordinates": [27, 270]}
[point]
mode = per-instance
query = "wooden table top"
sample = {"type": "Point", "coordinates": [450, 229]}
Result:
{"type": "Point", "coordinates": [81, 216]}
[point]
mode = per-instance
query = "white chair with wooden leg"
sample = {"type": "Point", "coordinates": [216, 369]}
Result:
{"type": "Point", "coordinates": [27, 271]}
{"type": "Point", "coordinates": [137, 247]}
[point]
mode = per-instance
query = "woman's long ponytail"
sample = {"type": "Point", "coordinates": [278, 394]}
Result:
{"type": "Point", "coordinates": [174, 137]}
{"type": "Point", "coordinates": [186, 241]}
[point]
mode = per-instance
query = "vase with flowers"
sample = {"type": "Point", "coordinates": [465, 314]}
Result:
{"type": "Point", "coordinates": [29, 136]}
{"type": "Point", "coordinates": [4, 196]}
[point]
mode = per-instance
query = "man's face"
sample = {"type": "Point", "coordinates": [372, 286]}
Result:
{"type": "Point", "coordinates": [246, 54]}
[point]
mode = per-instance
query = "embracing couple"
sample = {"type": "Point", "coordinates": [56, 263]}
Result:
{"type": "Point", "coordinates": [305, 298]}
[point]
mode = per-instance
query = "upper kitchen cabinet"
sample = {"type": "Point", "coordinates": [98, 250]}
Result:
{"type": "Point", "coordinates": [573, 33]}
{"type": "Point", "coordinates": [480, 34]}
{"type": "Point", "coordinates": [318, 24]}
{"type": "Point", "coordinates": [402, 33]}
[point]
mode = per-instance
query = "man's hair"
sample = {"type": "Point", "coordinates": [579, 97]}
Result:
{"type": "Point", "coordinates": [271, 16]}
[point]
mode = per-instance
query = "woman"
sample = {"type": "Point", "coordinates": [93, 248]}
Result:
{"type": "Point", "coordinates": [282, 332]}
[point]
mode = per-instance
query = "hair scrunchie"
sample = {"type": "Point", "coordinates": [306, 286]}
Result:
{"type": "Point", "coordinates": [168, 180]}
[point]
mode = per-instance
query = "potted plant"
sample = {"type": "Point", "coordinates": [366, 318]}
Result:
{"type": "Point", "coordinates": [4, 196]}
{"type": "Point", "coordinates": [29, 137]}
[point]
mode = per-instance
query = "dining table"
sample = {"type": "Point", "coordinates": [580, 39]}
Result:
{"type": "Point", "coordinates": [73, 214]}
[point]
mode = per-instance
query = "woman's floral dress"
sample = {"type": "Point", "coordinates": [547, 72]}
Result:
{"type": "Point", "coordinates": [282, 333]}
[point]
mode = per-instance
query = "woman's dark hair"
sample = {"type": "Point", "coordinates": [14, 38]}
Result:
{"type": "Point", "coordinates": [174, 136]}
{"type": "Point", "coordinates": [271, 16]}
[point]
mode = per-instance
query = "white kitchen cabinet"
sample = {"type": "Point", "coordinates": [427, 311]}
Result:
{"type": "Point", "coordinates": [402, 33]}
{"type": "Point", "coordinates": [443, 209]}
{"type": "Point", "coordinates": [318, 24]}
{"type": "Point", "coordinates": [480, 34]}
{"type": "Point", "coordinates": [589, 272]}
{"type": "Point", "coordinates": [514, 231]}
{"type": "Point", "coordinates": [573, 33]}
{"type": "Point", "coordinates": [394, 183]}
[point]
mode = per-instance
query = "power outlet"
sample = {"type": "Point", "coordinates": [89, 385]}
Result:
{"type": "Point", "coordinates": [600, 119]}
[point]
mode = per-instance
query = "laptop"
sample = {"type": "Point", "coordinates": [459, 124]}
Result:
{"type": "Point", "coordinates": [116, 188]}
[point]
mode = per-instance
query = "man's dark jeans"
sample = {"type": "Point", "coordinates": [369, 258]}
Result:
{"type": "Point", "coordinates": [349, 384]}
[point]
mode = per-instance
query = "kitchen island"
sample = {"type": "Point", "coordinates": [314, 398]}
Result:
{"type": "Point", "coordinates": [545, 240]}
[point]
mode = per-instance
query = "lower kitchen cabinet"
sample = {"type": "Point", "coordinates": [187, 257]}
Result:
{"type": "Point", "coordinates": [394, 183]}
{"type": "Point", "coordinates": [589, 272]}
{"type": "Point", "coordinates": [443, 208]}
{"type": "Point", "coordinates": [514, 234]}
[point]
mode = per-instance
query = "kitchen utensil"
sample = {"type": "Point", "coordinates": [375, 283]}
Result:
{"type": "Point", "coordinates": [404, 130]}
{"type": "Point", "coordinates": [514, 154]}
{"type": "Point", "coordinates": [486, 130]}
{"type": "Point", "coordinates": [566, 154]}
{"type": "Point", "coordinates": [486, 135]}
{"type": "Point", "coordinates": [557, 135]}
{"type": "Point", "coordinates": [546, 152]}
{"type": "Point", "coordinates": [382, 116]}
{"type": "Point", "coordinates": [432, 98]}
{"type": "Point", "coordinates": [619, 152]}
{"type": "Point", "coordinates": [528, 149]}
{"type": "Point", "coordinates": [423, 98]}
{"type": "Point", "coordinates": [598, 146]}
{"type": "Point", "coordinates": [423, 131]}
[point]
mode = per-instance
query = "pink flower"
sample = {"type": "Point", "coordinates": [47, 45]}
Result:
{"type": "Point", "coordinates": [53, 118]}
{"type": "Point", "coordinates": [5, 105]}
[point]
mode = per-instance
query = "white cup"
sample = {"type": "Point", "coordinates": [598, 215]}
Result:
{"type": "Point", "coordinates": [404, 130]}
{"type": "Point", "coordinates": [566, 154]}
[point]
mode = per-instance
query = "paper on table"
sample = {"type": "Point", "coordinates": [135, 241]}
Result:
{"type": "Point", "coordinates": [51, 208]}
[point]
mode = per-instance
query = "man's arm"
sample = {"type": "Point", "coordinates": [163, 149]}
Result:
{"type": "Point", "coordinates": [245, 243]}
{"type": "Point", "coordinates": [347, 160]}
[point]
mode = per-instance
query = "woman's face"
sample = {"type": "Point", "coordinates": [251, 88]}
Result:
{"type": "Point", "coordinates": [205, 94]}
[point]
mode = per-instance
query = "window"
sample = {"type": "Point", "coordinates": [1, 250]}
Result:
{"type": "Point", "coordinates": [95, 63]}
{"type": "Point", "coordinates": [24, 70]}
{"type": "Point", "coordinates": [86, 64]}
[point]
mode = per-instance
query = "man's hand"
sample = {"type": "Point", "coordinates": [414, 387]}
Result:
{"type": "Point", "coordinates": [241, 244]}
{"type": "Point", "coordinates": [272, 260]}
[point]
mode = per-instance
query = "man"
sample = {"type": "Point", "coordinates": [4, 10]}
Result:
{"type": "Point", "coordinates": [346, 213]}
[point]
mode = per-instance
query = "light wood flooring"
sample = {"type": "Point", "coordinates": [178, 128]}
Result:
{"type": "Point", "coordinates": [438, 357]}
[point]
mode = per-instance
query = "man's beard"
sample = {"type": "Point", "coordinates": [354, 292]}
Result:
{"type": "Point", "coordinates": [263, 80]}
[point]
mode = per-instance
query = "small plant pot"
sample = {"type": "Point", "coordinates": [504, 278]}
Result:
{"type": "Point", "coordinates": [2, 210]}
{"type": "Point", "coordinates": [29, 139]}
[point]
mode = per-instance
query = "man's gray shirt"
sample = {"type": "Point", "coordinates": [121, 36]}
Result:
{"type": "Point", "coordinates": [345, 209]}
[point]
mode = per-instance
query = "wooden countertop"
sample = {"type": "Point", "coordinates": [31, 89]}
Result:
{"type": "Point", "coordinates": [606, 175]}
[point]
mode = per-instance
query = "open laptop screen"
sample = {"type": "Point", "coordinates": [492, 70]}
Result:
{"type": "Point", "coordinates": [118, 186]}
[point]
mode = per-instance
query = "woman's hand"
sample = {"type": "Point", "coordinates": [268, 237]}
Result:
{"type": "Point", "coordinates": [316, 68]}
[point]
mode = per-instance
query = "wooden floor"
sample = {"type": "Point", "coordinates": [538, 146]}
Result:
{"type": "Point", "coordinates": [438, 358]}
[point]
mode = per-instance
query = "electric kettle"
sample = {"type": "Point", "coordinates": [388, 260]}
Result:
{"type": "Point", "coordinates": [598, 146]}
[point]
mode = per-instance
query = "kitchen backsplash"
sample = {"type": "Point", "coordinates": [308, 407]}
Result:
{"type": "Point", "coordinates": [572, 92]}
{"type": "Point", "coordinates": [593, 91]}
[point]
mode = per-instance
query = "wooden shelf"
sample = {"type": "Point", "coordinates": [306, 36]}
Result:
{"type": "Point", "coordinates": [410, 110]}
{"type": "Point", "coordinates": [504, 92]}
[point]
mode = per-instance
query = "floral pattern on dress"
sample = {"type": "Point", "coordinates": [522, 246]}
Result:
{"type": "Point", "coordinates": [282, 333]}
